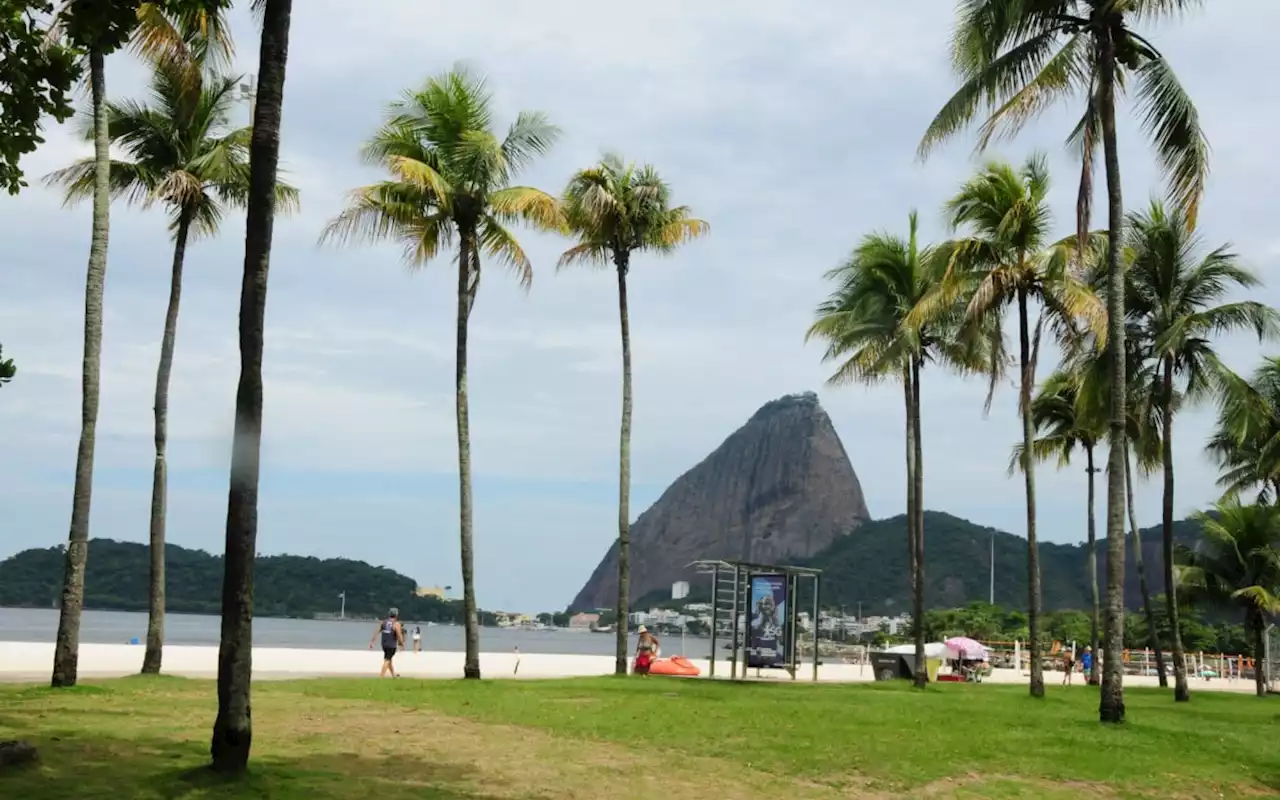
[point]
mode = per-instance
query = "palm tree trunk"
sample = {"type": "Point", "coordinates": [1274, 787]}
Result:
{"type": "Point", "coordinates": [1153, 641]}
{"type": "Point", "coordinates": [622, 260]}
{"type": "Point", "coordinates": [232, 730]}
{"type": "Point", "coordinates": [1029, 479]}
{"type": "Point", "coordinates": [1258, 623]}
{"type": "Point", "coordinates": [468, 282]}
{"type": "Point", "coordinates": [66, 653]}
{"type": "Point", "coordinates": [1181, 692]}
{"type": "Point", "coordinates": [917, 595]}
{"type": "Point", "coordinates": [1095, 667]}
{"type": "Point", "coordinates": [1111, 701]}
{"type": "Point", "coordinates": [159, 480]}
{"type": "Point", "coordinates": [913, 566]}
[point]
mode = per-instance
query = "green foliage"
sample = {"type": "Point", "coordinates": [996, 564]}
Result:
{"type": "Point", "coordinates": [615, 209]}
{"type": "Point", "coordinates": [180, 150]}
{"type": "Point", "coordinates": [870, 566]}
{"type": "Point", "coordinates": [7, 368]}
{"type": "Point", "coordinates": [872, 323]}
{"type": "Point", "coordinates": [287, 586]}
{"type": "Point", "coordinates": [1238, 562]}
{"type": "Point", "coordinates": [451, 178]}
{"type": "Point", "coordinates": [1246, 441]}
{"type": "Point", "coordinates": [1017, 59]}
{"type": "Point", "coordinates": [35, 81]}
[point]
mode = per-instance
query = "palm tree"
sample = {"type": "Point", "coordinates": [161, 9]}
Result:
{"type": "Point", "coordinates": [1008, 259]}
{"type": "Point", "coordinates": [1066, 420]}
{"type": "Point", "coordinates": [1175, 297]}
{"type": "Point", "coordinates": [1018, 59]}
{"type": "Point", "coordinates": [617, 210]}
{"type": "Point", "coordinates": [1246, 441]}
{"type": "Point", "coordinates": [869, 325]}
{"type": "Point", "coordinates": [181, 152]}
{"type": "Point", "coordinates": [1091, 365]}
{"type": "Point", "coordinates": [98, 28]}
{"type": "Point", "coordinates": [1238, 564]}
{"type": "Point", "coordinates": [233, 729]}
{"type": "Point", "coordinates": [7, 368]}
{"type": "Point", "coordinates": [451, 179]}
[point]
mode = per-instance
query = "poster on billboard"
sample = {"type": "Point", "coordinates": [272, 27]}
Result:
{"type": "Point", "coordinates": [767, 645]}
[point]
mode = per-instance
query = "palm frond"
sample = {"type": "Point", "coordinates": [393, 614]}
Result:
{"type": "Point", "coordinates": [1170, 118]}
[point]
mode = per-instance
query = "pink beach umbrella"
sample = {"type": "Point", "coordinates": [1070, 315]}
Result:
{"type": "Point", "coordinates": [964, 647]}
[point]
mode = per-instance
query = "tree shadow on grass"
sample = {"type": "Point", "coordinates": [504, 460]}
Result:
{"type": "Point", "coordinates": [102, 768]}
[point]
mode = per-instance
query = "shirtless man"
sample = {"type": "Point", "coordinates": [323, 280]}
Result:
{"type": "Point", "coordinates": [392, 639]}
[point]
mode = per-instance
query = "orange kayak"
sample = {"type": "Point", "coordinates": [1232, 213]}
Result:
{"type": "Point", "coordinates": [676, 665]}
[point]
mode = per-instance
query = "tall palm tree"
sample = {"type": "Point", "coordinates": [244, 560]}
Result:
{"type": "Point", "coordinates": [1091, 364]}
{"type": "Point", "coordinates": [616, 210]}
{"type": "Point", "coordinates": [182, 152]}
{"type": "Point", "coordinates": [1246, 441]}
{"type": "Point", "coordinates": [870, 326]}
{"type": "Point", "coordinates": [451, 178]}
{"type": "Point", "coordinates": [232, 728]}
{"type": "Point", "coordinates": [1176, 296]}
{"type": "Point", "coordinates": [1007, 258]}
{"type": "Point", "coordinates": [98, 28]}
{"type": "Point", "coordinates": [1066, 420]}
{"type": "Point", "coordinates": [1238, 564]}
{"type": "Point", "coordinates": [1016, 59]}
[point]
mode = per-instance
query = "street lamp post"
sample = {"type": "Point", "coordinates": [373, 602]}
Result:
{"type": "Point", "coordinates": [249, 94]}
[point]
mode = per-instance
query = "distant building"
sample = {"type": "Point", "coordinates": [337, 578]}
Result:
{"type": "Point", "coordinates": [583, 621]}
{"type": "Point", "coordinates": [679, 590]}
{"type": "Point", "coordinates": [437, 592]}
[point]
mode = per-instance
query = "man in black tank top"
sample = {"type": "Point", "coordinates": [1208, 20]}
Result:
{"type": "Point", "coordinates": [392, 636]}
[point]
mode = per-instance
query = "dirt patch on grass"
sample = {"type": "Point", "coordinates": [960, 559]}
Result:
{"type": "Point", "coordinates": [511, 762]}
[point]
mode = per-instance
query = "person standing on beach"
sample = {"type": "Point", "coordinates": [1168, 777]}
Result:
{"type": "Point", "coordinates": [417, 639]}
{"type": "Point", "coordinates": [392, 639]}
{"type": "Point", "coordinates": [646, 651]}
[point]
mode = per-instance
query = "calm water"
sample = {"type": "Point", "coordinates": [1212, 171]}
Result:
{"type": "Point", "coordinates": [118, 627]}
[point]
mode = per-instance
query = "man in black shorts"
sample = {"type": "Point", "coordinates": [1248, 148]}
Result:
{"type": "Point", "coordinates": [392, 639]}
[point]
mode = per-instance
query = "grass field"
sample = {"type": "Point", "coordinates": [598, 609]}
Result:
{"type": "Point", "coordinates": [609, 738]}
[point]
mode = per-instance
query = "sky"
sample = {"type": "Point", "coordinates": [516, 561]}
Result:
{"type": "Point", "coordinates": [793, 135]}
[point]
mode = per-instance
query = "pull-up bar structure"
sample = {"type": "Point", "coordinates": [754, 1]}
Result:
{"type": "Point", "coordinates": [732, 585]}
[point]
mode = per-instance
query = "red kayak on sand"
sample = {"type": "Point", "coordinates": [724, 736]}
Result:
{"type": "Point", "coordinates": [676, 665]}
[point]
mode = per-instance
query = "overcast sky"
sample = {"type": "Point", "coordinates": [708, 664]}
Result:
{"type": "Point", "coordinates": [793, 134]}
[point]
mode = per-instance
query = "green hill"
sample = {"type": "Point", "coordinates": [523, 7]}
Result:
{"type": "Point", "coordinates": [869, 567]}
{"type": "Point", "coordinates": [116, 578]}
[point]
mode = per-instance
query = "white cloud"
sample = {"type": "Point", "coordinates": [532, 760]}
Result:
{"type": "Point", "coordinates": [793, 134]}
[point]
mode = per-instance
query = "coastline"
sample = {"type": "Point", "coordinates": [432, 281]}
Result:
{"type": "Point", "coordinates": [29, 662]}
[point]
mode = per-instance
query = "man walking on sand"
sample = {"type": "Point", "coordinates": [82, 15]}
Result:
{"type": "Point", "coordinates": [392, 639]}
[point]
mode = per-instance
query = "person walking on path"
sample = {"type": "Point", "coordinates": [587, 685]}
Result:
{"type": "Point", "coordinates": [1086, 662]}
{"type": "Point", "coordinates": [392, 639]}
{"type": "Point", "coordinates": [1068, 666]}
{"type": "Point", "coordinates": [417, 639]}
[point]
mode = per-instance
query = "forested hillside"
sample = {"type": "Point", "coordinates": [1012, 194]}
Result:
{"type": "Point", "coordinates": [294, 586]}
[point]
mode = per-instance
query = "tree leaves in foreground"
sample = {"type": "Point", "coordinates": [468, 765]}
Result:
{"type": "Point", "coordinates": [36, 79]}
{"type": "Point", "coordinates": [1238, 564]}
{"type": "Point", "coordinates": [7, 368]}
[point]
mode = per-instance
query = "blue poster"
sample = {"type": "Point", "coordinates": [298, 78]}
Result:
{"type": "Point", "coordinates": [766, 645]}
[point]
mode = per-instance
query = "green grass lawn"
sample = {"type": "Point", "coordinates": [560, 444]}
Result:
{"type": "Point", "coordinates": [637, 738]}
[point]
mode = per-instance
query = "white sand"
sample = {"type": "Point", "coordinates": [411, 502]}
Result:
{"type": "Point", "coordinates": [32, 661]}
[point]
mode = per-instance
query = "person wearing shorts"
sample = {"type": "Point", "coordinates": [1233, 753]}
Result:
{"type": "Point", "coordinates": [392, 636]}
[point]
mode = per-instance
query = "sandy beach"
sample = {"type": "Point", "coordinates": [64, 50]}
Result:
{"type": "Point", "coordinates": [31, 661]}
